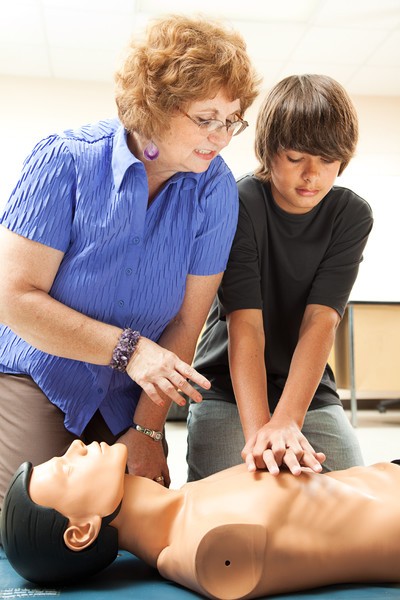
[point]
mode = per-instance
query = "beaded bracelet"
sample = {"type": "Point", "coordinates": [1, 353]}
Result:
{"type": "Point", "coordinates": [124, 349]}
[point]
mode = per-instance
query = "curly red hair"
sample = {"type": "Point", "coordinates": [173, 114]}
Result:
{"type": "Point", "coordinates": [181, 60]}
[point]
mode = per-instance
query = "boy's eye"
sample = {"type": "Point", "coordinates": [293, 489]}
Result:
{"type": "Point", "coordinates": [293, 160]}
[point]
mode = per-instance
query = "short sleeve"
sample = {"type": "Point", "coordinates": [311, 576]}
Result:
{"type": "Point", "coordinates": [41, 205]}
{"type": "Point", "coordinates": [338, 270]}
{"type": "Point", "coordinates": [241, 283]}
{"type": "Point", "coordinates": [219, 208]}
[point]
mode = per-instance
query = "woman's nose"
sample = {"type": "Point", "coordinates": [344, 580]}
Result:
{"type": "Point", "coordinates": [220, 137]}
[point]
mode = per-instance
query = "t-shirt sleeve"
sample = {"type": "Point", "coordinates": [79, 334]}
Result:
{"type": "Point", "coordinates": [338, 270]}
{"type": "Point", "coordinates": [219, 207]}
{"type": "Point", "coordinates": [241, 283]}
{"type": "Point", "coordinates": [41, 205]}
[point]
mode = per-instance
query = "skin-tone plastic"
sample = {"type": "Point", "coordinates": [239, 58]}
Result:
{"type": "Point", "coordinates": [235, 534]}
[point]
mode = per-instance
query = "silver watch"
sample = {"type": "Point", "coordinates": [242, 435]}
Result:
{"type": "Point", "coordinates": [157, 436]}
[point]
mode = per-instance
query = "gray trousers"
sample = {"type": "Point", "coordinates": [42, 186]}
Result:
{"type": "Point", "coordinates": [215, 438]}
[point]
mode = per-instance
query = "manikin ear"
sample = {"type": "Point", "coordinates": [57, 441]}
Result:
{"type": "Point", "coordinates": [80, 535]}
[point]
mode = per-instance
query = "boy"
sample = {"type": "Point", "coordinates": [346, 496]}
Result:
{"type": "Point", "coordinates": [292, 266]}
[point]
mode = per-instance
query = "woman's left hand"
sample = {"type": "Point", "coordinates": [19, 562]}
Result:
{"type": "Point", "coordinates": [162, 374]}
{"type": "Point", "coordinates": [146, 457]}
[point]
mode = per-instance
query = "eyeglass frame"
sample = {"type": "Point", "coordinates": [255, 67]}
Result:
{"type": "Point", "coordinates": [202, 125]}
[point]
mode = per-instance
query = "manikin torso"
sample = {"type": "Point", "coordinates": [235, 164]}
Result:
{"type": "Point", "coordinates": [237, 534]}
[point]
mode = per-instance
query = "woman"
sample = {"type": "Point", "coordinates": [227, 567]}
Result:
{"type": "Point", "coordinates": [112, 246]}
{"type": "Point", "coordinates": [232, 535]}
{"type": "Point", "coordinates": [292, 266]}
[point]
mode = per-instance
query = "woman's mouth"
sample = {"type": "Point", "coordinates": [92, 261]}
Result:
{"type": "Point", "coordinates": [205, 154]}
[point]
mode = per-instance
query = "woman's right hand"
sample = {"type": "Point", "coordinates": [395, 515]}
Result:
{"type": "Point", "coordinates": [160, 373]}
{"type": "Point", "coordinates": [145, 457]}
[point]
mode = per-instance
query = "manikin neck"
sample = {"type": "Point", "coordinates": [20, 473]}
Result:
{"type": "Point", "coordinates": [146, 517]}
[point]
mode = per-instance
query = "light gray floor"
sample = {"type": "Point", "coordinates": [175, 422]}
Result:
{"type": "Point", "coordinates": [379, 435]}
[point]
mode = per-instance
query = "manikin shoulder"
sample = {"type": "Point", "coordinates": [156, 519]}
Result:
{"type": "Point", "coordinates": [230, 560]}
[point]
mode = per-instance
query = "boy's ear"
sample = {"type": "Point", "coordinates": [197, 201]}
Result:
{"type": "Point", "coordinates": [79, 536]}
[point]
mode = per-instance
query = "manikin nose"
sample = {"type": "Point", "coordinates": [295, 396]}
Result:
{"type": "Point", "coordinates": [78, 447]}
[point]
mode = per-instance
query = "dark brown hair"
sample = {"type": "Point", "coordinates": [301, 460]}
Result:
{"type": "Point", "coordinates": [306, 113]}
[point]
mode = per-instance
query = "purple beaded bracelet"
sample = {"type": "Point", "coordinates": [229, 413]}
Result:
{"type": "Point", "coordinates": [124, 349]}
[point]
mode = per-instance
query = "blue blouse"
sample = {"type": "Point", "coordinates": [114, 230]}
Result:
{"type": "Point", "coordinates": [83, 192]}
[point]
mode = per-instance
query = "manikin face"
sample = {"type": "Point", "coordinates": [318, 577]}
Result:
{"type": "Point", "coordinates": [186, 148]}
{"type": "Point", "coordinates": [299, 181]}
{"type": "Point", "coordinates": [86, 480]}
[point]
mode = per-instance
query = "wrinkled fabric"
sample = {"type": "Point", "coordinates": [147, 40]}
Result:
{"type": "Point", "coordinates": [84, 193]}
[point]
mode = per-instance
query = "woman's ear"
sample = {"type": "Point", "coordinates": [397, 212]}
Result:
{"type": "Point", "coordinates": [79, 536]}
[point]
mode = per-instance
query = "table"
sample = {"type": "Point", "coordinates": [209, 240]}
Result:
{"type": "Point", "coordinates": [367, 350]}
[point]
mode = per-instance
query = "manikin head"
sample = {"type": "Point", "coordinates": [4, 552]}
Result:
{"type": "Point", "coordinates": [55, 522]}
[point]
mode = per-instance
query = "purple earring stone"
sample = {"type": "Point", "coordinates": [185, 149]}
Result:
{"type": "Point", "coordinates": [151, 151]}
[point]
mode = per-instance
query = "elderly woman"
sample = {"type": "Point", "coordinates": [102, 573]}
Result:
{"type": "Point", "coordinates": [232, 535]}
{"type": "Point", "coordinates": [112, 247]}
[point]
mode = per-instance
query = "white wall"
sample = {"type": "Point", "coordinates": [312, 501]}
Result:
{"type": "Point", "coordinates": [31, 108]}
{"type": "Point", "coordinates": [375, 175]}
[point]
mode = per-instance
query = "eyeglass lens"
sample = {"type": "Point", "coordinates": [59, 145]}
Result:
{"type": "Point", "coordinates": [233, 127]}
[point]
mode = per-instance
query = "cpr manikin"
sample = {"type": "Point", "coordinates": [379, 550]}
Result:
{"type": "Point", "coordinates": [235, 534]}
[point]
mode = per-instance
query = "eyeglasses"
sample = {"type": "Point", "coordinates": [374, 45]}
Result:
{"type": "Point", "coordinates": [213, 125]}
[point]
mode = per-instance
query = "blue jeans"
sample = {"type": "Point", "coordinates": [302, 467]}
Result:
{"type": "Point", "coordinates": [215, 438]}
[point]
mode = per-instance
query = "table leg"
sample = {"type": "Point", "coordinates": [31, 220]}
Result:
{"type": "Point", "coordinates": [353, 397]}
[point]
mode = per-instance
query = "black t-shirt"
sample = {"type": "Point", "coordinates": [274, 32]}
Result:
{"type": "Point", "coordinates": [280, 262]}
